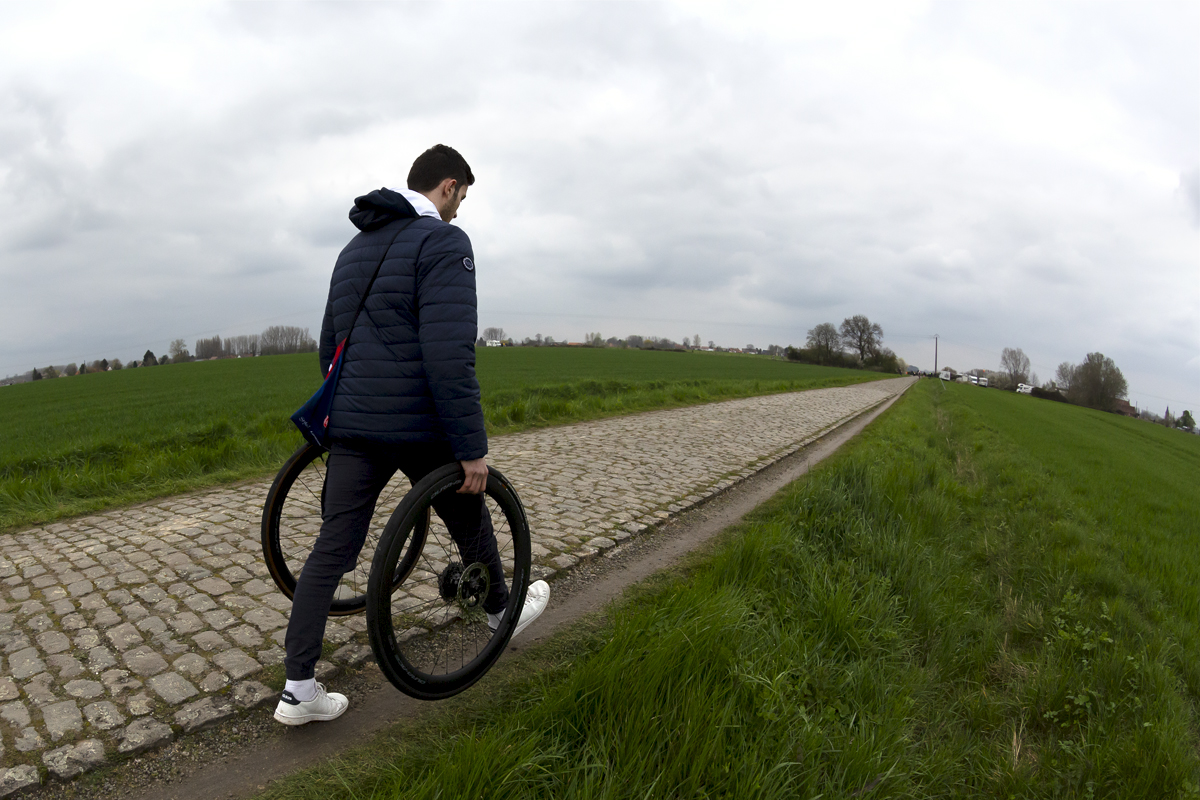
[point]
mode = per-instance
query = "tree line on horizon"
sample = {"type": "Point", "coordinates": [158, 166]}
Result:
{"type": "Point", "coordinates": [275, 340]}
{"type": "Point", "coordinates": [631, 342]}
{"type": "Point", "coordinates": [1096, 382]}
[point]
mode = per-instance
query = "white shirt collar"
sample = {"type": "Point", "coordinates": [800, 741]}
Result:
{"type": "Point", "coordinates": [420, 203]}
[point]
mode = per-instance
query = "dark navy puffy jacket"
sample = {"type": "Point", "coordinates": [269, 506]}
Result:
{"type": "Point", "coordinates": [409, 369]}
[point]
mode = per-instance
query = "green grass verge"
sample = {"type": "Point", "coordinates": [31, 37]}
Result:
{"type": "Point", "coordinates": [984, 595]}
{"type": "Point", "coordinates": [89, 442]}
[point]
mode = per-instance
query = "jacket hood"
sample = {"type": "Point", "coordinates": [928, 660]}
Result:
{"type": "Point", "coordinates": [378, 208]}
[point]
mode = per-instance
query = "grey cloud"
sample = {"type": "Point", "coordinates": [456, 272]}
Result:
{"type": "Point", "coordinates": [638, 169]}
{"type": "Point", "coordinates": [1189, 187]}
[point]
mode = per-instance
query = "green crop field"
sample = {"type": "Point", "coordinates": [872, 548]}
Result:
{"type": "Point", "coordinates": [983, 595]}
{"type": "Point", "coordinates": [94, 441]}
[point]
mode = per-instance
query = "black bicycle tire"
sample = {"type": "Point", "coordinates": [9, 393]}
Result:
{"type": "Point", "coordinates": [273, 555]}
{"type": "Point", "coordinates": [395, 547]}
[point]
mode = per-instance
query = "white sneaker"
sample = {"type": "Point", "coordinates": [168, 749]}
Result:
{"type": "Point", "coordinates": [536, 598]}
{"type": "Point", "coordinates": [322, 708]}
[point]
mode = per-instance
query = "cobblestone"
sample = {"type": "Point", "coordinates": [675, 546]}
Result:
{"type": "Point", "coordinates": [15, 714]}
{"type": "Point", "coordinates": [28, 740]}
{"type": "Point", "coordinates": [14, 779]}
{"type": "Point", "coordinates": [251, 694]}
{"type": "Point", "coordinates": [103, 715]}
{"type": "Point", "coordinates": [24, 663]}
{"type": "Point", "coordinates": [62, 718]}
{"type": "Point", "coordinates": [164, 612]}
{"type": "Point", "coordinates": [237, 664]}
{"type": "Point", "coordinates": [144, 661]}
{"type": "Point", "coordinates": [172, 687]}
{"type": "Point", "coordinates": [143, 734]}
{"type": "Point", "coordinates": [204, 713]}
{"type": "Point", "coordinates": [73, 759]}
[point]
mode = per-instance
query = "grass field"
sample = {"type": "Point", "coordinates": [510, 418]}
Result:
{"type": "Point", "coordinates": [94, 441]}
{"type": "Point", "coordinates": [984, 595]}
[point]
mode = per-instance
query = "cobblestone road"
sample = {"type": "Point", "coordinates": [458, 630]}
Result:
{"type": "Point", "coordinates": [122, 630]}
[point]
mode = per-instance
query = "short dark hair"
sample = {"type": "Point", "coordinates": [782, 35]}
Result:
{"type": "Point", "coordinates": [436, 165]}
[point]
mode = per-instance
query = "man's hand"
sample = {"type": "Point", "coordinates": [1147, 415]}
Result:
{"type": "Point", "coordinates": [475, 475]}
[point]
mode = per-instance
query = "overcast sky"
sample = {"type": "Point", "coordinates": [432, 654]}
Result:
{"type": "Point", "coordinates": [1001, 174]}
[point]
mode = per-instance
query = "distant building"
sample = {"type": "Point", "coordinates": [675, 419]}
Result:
{"type": "Point", "coordinates": [1124, 408]}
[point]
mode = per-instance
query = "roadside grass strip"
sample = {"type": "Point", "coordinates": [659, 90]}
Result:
{"type": "Point", "coordinates": [953, 606]}
{"type": "Point", "coordinates": [90, 442]}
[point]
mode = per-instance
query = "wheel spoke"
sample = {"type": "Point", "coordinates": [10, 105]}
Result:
{"type": "Point", "coordinates": [293, 523]}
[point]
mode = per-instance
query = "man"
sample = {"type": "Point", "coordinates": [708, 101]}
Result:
{"type": "Point", "coordinates": [407, 399]}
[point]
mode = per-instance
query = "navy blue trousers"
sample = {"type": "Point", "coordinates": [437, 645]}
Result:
{"type": "Point", "coordinates": [354, 478]}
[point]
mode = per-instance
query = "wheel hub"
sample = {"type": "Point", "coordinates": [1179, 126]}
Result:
{"type": "Point", "coordinates": [465, 586]}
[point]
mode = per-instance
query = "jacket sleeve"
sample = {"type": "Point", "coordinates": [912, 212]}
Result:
{"type": "Point", "coordinates": [447, 324]}
{"type": "Point", "coordinates": [328, 345]}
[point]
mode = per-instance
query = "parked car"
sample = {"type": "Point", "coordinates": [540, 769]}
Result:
{"type": "Point", "coordinates": [1024, 388]}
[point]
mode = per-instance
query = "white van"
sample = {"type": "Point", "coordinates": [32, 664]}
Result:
{"type": "Point", "coordinates": [1024, 388]}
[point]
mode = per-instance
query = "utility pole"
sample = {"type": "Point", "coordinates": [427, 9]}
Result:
{"type": "Point", "coordinates": [935, 343]}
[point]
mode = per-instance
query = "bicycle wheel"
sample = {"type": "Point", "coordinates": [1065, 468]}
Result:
{"type": "Point", "coordinates": [430, 636]}
{"type": "Point", "coordinates": [291, 522]}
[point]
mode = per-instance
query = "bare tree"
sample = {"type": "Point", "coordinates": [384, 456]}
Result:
{"type": "Point", "coordinates": [240, 346]}
{"type": "Point", "coordinates": [824, 341]}
{"type": "Point", "coordinates": [494, 334]}
{"type": "Point", "coordinates": [179, 352]}
{"type": "Point", "coordinates": [115, 364]}
{"type": "Point", "coordinates": [1063, 376]}
{"type": "Point", "coordinates": [862, 335]}
{"type": "Point", "coordinates": [285, 339]}
{"type": "Point", "coordinates": [71, 368]}
{"type": "Point", "coordinates": [1015, 366]}
{"type": "Point", "coordinates": [696, 340]}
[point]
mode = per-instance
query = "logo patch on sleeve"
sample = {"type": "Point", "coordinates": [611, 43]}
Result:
{"type": "Point", "coordinates": [469, 264]}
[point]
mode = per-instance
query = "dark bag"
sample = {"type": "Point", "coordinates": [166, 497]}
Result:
{"type": "Point", "coordinates": [312, 418]}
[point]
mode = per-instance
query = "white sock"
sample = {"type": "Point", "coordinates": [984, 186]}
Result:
{"type": "Point", "coordinates": [304, 691]}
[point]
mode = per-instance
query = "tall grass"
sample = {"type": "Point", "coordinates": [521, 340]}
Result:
{"type": "Point", "coordinates": [94, 441]}
{"type": "Point", "coordinates": [952, 608]}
